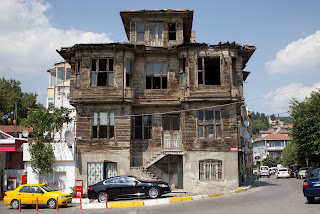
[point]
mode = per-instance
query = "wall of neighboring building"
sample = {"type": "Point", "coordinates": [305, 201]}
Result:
{"type": "Point", "coordinates": [230, 178]}
{"type": "Point", "coordinates": [63, 175]}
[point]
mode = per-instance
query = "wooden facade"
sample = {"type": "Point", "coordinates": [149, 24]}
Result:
{"type": "Point", "coordinates": [178, 88]}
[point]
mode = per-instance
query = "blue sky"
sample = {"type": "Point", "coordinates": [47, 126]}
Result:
{"type": "Point", "coordinates": [286, 33]}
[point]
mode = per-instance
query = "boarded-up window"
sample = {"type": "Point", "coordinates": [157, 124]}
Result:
{"type": "Point", "coordinates": [209, 124]}
{"type": "Point", "coordinates": [156, 75]}
{"type": "Point", "coordinates": [210, 170]}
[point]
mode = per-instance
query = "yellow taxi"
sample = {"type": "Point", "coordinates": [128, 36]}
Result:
{"type": "Point", "coordinates": [29, 193]}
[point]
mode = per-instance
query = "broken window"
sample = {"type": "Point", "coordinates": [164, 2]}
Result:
{"type": "Point", "coordinates": [183, 71]}
{"type": "Point", "coordinates": [156, 75]}
{"type": "Point", "coordinates": [78, 71]}
{"type": "Point", "coordinates": [142, 127]}
{"type": "Point", "coordinates": [140, 32]}
{"type": "Point", "coordinates": [172, 31]}
{"type": "Point", "coordinates": [210, 170]}
{"type": "Point", "coordinates": [209, 71]}
{"type": "Point", "coordinates": [102, 72]}
{"type": "Point", "coordinates": [234, 72]}
{"type": "Point", "coordinates": [103, 125]}
{"type": "Point", "coordinates": [156, 31]}
{"type": "Point", "coordinates": [209, 122]}
{"type": "Point", "coordinates": [129, 71]}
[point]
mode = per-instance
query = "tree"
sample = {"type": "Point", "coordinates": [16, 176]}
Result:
{"type": "Point", "coordinates": [272, 161]}
{"type": "Point", "coordinates": [10, 93]}
{"type": "Point", "coordinates": [44, 122]}
{"type": "Point", "coordinates": [306, 127]}
{"type": "Point", "coordinates": [289, 154]}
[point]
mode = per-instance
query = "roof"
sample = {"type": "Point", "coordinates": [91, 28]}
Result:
{"type": "Point", "coordinates": [10, 129]}
{"type": "Point", "coordinates": [265, 132]}
{"type": "Point", "coordinates": [283, 131]}
{"type": "Point", "coordinates": [274, 137]}
{"type": "Point", "coordinates": [186, 14]}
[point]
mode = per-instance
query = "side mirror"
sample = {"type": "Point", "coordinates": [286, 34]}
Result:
{"type": "Point", "coordinates": [136, 182]}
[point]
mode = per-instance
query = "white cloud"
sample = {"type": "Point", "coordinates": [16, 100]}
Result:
{"type": "Point", "coordinates": [29, 41]}
{"type": "Point", "coordinates": [278, 101]}
{"type": "Point", "coordinates": [299, 56]}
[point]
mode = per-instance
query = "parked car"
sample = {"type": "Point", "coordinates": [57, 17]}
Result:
{"type": "Point", "coordinates": [127, 186]}
{"type": "Point", "coordinates": [264, 171]}
{"type": "Point", "coordinates": [302, 173]}
{"type": "Point", "coordinates": [273, 170]}
{"type": "Point", "coordinates": [283, 173]}
{"type": "Point", "coordinates": [28, 193]}
{"type": "Point", "coordinates": [294, 170]}
{"type": "Point", "coordinates": [311, 186]}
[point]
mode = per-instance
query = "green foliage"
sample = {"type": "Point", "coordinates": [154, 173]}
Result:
{"type": "Point", "coordinates": [73, 191]}
{"type": "Point", "coordinates": [259, 122]}
{"type": "Point", "coordinates": [42, 157]}
{"type": "Point", "coordinates": [44, 121]}
{"type": "Point", "coordinates": [306, 127]}
{"type": "Point", "coordinates": [271, 161]}
{"type": "Point", "coordinates": [10, 93]}
{"type": "Point", "coordinates": [289, 155]}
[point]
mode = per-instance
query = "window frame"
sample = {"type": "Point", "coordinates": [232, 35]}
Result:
{"type": "Point", "coordinates": [183, 74]}
{"type": "Point", "coordinates": [205, 124]}
{"type": "Point", "coordinates": [143, 127]}
{"type": "Point", "coordinates": [163, 75]}
{"type": "Point", "coordinates": [210, 170]}
{"type": "Point", "coordinates": [202, 71]}
{"type": "Point", "coordinates": [95, 71]}
{"type": "Point", "coordinates": [140, 32]}
{"type": "Point", "coordinates": [96, 121]}
{"type": "Point", "coordinates": [129, 72]}
{"type": "Point", "coordinates": [157, 35]}
{"type": "Point", "coordinates": [172, 32]}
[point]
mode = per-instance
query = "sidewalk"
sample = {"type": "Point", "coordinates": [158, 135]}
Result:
{"type": "Point", "coordinates": [173, 197]}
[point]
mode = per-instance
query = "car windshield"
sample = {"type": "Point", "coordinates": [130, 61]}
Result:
{"type": "Point", "coordinates": [303, 168]}
{"type": "Point", "coordinates": [283, 170]}
{"type": "Point", "coordinates": [264, 168]}
{"type": "Point", "coordinates": [47, 188]}
{"type": "Point", "coordinates": [316, 173]}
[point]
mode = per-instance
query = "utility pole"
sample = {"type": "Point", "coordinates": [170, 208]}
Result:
{"type": "Point", "coordinates": [15, 119]}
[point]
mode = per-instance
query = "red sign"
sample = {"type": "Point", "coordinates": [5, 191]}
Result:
{"type": "Point", "coordinates": [233, 149]}
{"type": "Point", "coordinates": [79, 188]}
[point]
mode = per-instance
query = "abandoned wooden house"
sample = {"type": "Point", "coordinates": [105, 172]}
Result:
{"type": "Point", "coordinates": [160, 105]}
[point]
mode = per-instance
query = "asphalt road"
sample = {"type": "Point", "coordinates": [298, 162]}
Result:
{"type": "Point", "coordinates": [270, 195]}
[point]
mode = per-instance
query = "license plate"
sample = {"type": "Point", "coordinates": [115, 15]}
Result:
{"type": "Point", "coordinates": [316, 185]}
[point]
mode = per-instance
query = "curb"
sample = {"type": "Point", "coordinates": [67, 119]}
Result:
{"type": "Point", "coordinates": [160, 201]}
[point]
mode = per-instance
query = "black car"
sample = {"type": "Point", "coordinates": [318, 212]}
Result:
{"type": "Point", "coordinates": [127, 186]}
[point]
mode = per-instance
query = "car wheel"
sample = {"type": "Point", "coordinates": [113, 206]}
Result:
{"type": "Point", "coordinates": [52, 203]}
{"type": "Point", "coordinates": [102, 197]}
{"type": "Point", "coordinates": [310, 200]}
{"type": "Point", "coordinates": [15, 204]}
{"type": "Point", "coordinates": [153, 192]}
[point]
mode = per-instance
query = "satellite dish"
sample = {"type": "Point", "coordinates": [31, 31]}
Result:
{"type": "Point", "coordinates": [69, 137]}
{"type": "Point", "coordinates": [25, 133]}
{"type": "Point", "coordinates": [246, 123]}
